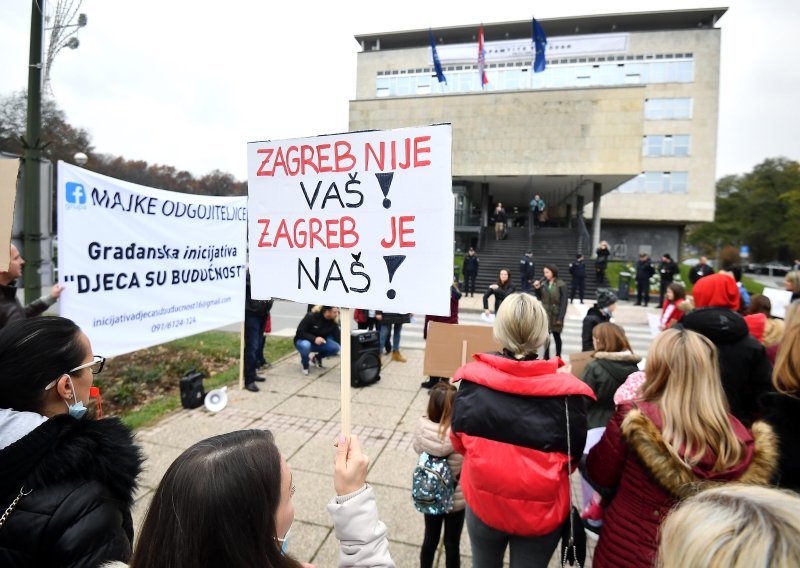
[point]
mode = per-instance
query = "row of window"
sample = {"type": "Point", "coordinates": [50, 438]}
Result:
{"type": "Point", "coordinates": [668, 109]}
{"type": "Point", "coordinates": [657, 182]}
{"type": "Point", "coordinates": [666, 145]}
{"type": "Point", "coordinates": [557, 76]}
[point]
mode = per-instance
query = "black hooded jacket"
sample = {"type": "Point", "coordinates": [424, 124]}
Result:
{"type": "Point", "coordinates": [746, 371]}
{"type": "Point", "coordinates": [81, 475]}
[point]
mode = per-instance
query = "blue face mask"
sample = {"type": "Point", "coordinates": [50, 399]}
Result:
{"type": "Point", "coordinates": [77, 410]}
{"type": "Point", "coordinates": [285, 540]}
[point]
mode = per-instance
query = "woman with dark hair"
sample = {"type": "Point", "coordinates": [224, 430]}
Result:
{"type": "Point", "coordinates": [499, 290]}
{"type": "Point", "coordinates": [762, 326]}
{"type": "Point", "coordinates": [553, 293]}
{"type": "Point", "coordinates": [66, 481]}
{"type": "Point", "coordinates": [674, 305]}
{"type": "Point", "coordinates": [227, 501]}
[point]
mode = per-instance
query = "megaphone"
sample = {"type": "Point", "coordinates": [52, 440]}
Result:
{"type": "Point", "coordinates": [216, 399]}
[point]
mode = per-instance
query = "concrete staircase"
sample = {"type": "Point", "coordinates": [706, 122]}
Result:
{"type": "Point", "coordinates": [551, 245]}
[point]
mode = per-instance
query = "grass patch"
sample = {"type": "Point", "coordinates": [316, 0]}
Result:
{"type": "Point", "coordinates": [141, 387]}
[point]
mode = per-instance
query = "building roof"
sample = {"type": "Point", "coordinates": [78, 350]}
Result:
{"type": "Point", "coordinates": [555, 27]}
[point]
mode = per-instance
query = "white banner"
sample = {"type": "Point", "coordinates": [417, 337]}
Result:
{"type": "Point", "coordinates": [143, 266]}
{"type": "Point", "coordinates": [522, 49]}
{"type": "Point", "coordinates": [359, 220]}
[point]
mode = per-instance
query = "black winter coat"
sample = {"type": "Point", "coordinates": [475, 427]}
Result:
{"type": "Point", "coordinates": [12, 310]}
{"type": "Point", "coordinates": [594, 317]}
{"type": "Point", "coordinates": [743, 364]}
{"type": "Point", "coordinates": [782, 412]}
{"type": "Point", "coordinates": [315, 325]}
{"type": "Point", "coordinates": [667, 271]}
{"type": "Point", "coordinates": [602, 258]}
{"type": "Point", "coordinates": [259, 307]}
{"type": "Point", "coordinates": [499, 294]}
{"type": "Point", "coordinates": [644, 270]}
{"type": "Point", "coordinates": [82, 477]}
{"type": "Point", "coordinates": [470, 265]}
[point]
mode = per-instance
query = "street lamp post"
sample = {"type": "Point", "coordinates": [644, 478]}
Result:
{"type": "Point", "coordinates": [33, 157]}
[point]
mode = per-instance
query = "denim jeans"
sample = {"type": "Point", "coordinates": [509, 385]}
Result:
{"type": "Point", "coordinates": [489, 546]}
{"type": "Point", "coordinates": [254, 325]}
{"type": "Point", "coordinates": [306, 347]}
{"type": "Point", "coordinates": [385, 329]}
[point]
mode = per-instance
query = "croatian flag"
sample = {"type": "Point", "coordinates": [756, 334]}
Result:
{"type": "Point", "coordinates": [436, 63]}
{"type": "Point", "coordinates": [539, 43]}
{"type": "Point", "coordinates": [482, 59]}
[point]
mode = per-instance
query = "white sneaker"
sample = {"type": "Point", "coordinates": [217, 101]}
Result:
{"type": "Point", "coordinates": [305, 370]}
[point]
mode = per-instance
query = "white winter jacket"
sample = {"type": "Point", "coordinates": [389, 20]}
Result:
{"type": "Point", "coordinates": [361, 534]}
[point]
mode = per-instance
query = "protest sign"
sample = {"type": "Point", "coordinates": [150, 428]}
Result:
{"type": "Point", "coordinates": [358, 220]}
{"type": "Point", "coordinates": [8, 191]}
{"type": "Point", "coordinates": [143, 266]}
{"type": "Point", "coordinates": [779, 299]}
{"type": "Point", "coordinates": [449, 346]}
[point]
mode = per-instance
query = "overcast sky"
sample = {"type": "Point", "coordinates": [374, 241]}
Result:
{"type": "Point", "coordinates": [180, 84]}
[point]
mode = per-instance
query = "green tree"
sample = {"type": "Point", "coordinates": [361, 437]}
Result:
{"type": "Point", "coordinates": [760, 209]}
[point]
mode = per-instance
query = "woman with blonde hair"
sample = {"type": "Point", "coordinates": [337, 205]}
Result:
{"type": "Point", "coordinates": [509, 421]}
{"type": "Point", "coordinates": [676, 438]}
{"type": "Point", "coordinates": [792, 284]}
{"type": "Point", "coordinates": [781, 409]}
{"type": "Point", "coordinates": [735, 526]}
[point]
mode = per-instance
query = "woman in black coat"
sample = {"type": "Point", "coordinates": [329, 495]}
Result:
{"type": "Point", "coordinates": [499, 290]}
{"type": "Point", "coordinates": [66, 481]}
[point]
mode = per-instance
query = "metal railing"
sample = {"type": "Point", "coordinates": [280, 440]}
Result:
{"type": "Point", "coordinates": [584, 239]}
{"type": "Point", "coordinates": [531, 229]}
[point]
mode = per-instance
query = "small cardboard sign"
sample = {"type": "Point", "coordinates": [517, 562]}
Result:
{"type": "Point", "coordinates": [578, 362]}
{"type": "Point", "coordinates": [449, 346]}
{"type": "Point", "coordinates": [9, 170]}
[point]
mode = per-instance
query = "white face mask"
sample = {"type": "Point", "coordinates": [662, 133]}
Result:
{"type": "Point", "coordinates": [285, 540]}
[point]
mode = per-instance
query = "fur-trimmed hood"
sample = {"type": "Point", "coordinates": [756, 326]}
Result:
{"type": "Point", "coordinates": [66, 448]}
{"type": "Point", "coordinates": [625, 356]}
{"type": "Point", "coordinates": [645, 439]}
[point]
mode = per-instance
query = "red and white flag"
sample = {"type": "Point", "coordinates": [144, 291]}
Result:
{"type": "Point", "coordinates": [482, 59]}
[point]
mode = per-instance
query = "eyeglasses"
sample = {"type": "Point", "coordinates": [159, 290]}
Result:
{"type": "Point", "coordinates": [96, 366]}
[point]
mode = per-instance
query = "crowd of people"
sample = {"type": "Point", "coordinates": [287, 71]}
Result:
{"type": "Point", "coordinates": [691, 460]}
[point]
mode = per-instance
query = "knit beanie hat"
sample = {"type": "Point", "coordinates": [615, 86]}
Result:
{"type": "Point", "coordinates": [605, 298]}
{"type": "Point", "coordinates": [717, 290]}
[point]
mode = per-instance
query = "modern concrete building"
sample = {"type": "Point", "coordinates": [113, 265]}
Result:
{"type": "Point", "coordinates": [621, 126]}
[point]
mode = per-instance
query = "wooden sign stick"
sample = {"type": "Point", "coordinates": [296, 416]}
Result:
{"type": "Point", "coordinates": [241, 358]}
{"type": "Point", "coordinates": [345, 368]}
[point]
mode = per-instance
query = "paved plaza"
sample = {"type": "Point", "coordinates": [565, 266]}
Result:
{"type": "Point", "coordinates": [303, 414]}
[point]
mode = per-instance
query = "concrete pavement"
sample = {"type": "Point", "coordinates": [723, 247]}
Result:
{"type": "Point", "coordinates": [303, 414]}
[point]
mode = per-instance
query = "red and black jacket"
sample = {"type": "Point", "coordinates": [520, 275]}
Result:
{"type": "Point", "coordinates": [509, 421]}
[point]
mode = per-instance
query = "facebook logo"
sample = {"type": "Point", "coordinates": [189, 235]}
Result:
{"type": "Point", "coordinates": [76, 193]}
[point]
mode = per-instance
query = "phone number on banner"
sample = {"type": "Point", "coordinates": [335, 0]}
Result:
{"type": "Point", "coordinates": [172, 324]}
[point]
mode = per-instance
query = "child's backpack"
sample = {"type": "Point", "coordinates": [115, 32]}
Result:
{"type": "Point", "coordinates": [432, 485]}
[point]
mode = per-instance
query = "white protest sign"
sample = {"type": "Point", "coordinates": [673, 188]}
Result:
{"type": "Point", "coordinates": [143, 266]}
{"type": "Point", "coordinates": [779, 299]}
{"type": "Point", "coordinates": [359, 220]}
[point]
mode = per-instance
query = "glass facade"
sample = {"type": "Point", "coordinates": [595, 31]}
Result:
{"type": "Point", "coordinates": [666, 145]}
{"type": "Point", "coordinates": [657, 182]}
{"type": "Point", "coordinates": [560, 74]}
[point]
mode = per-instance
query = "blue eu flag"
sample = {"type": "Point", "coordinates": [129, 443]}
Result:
{"type": "Point", "coordinates": [539, 43]}
{"type": "Point", "coordinates": [436, 63]}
